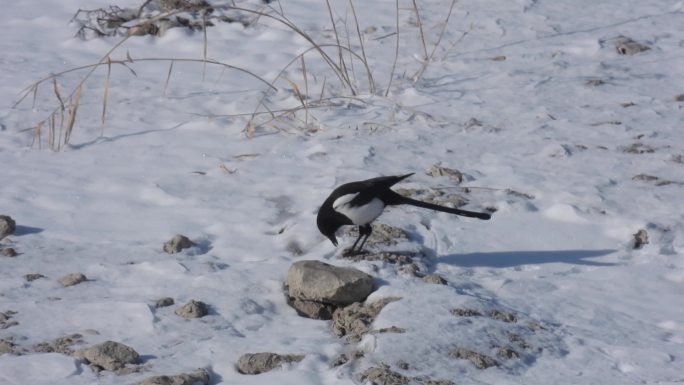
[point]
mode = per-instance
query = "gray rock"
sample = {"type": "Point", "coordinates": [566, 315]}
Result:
{"type": "Point", "coordinates": [33, 276]}
{"type": "Point", "coordinates": [435, 279]}
{"type": "Point", "coordinates": [640, 239]}
{"type": "Point", "coordinates": [382, 235]}
{"type": "Point", "coordinates": [466, 313]}
{"type": "Point", "coordinates": [450, 173]}
{"type": "Point", "coordinates": [108, 355]}
{"type": "Point", "coordinates": [503, 316]}
{"type": "Point", "coordinates": [7, 226]}
{"type": "Point", "coordinates": [255, 363]}
{"type": "Point", "coordinates": [7, 346]}
{"type": "Point", "coordinates": [479, 360]}
{"type": "Point", "coordinates": [383, 375]}
{"type": "Point", "coordinates": [164, 302]}
{"type": "Point", "coordinates": [9, 252]}
{"type": "Point", "coordinates": [627, 46]}
{"type": "Point", "coordinates": [198, 377]}
{"type": "Point", "coordinates": [507, 353]}
{"type": "Point", "coordinates": [312, 309]}
{"type": "Point", "coordinates": [177, 244]}
{"type": "Point", "coordinates": [394, 258]}
{"type": "Point", "coordinates": [321, 282]}
{"type": "Point", "coordinates": [354, 320]}
{"type": "Point", "coordinates": [72, 279]}
{"type": "Point", "coordinates": [193, 309]}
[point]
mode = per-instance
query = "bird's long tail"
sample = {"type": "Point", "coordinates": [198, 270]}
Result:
{"type": "Point", "coordinates": [395, 199]}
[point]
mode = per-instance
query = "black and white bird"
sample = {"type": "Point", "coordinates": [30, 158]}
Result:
{"type": "Point", "coordinates": [359, 203]}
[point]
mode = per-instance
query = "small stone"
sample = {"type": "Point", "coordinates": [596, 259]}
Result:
{"type": "Point", "coordinates": [177, 244]}
{"type": "Point", "coordinates": [7, 346]}
{"type": "Point", "coordinates": [391, 329]}
{"type": "Point", "coordinates": [640, 238]}
{"type": "Point", "coordinates": [638, 148]}
{"type": "Point", "coordinates": [453, 174]}
{"type": "Point", "coordinates": [9, 252]}
{"type": "Point", "coordinates": [108, 355]}
{"type": "Point", "coordinates": [354, 320]}
{"type": "Point", "coordinates": [594, 82]}
{"type": "Point", "coordinates": [479, 360]}
{"type": "Point", "coordinates": [437, 382]}
{"type": "Point", "coordinates": [466, 313]}
{"type": "Point", "coordinates": [198, 377]}
{"type": "Point", "coordinates": [679, 98]}
{"type": "Point", "coordinates": [33, 276]}
{"type": "Point", "coordinates": [678, 159]}
{"type": "Point", "coordinates": [435, 279]}
{"type": "Point", "coordinates": [164, 302]}
{"type": "Point", "coordinates": [7, 226]}
{"type": "Point", "coordinates": [256, 363]}
{"type": "Point", "coordinates": [72, 279]}
{"type": "Point", "coordinates": [193, 309]}
{"type": "Point", "coordinates": [508, 353]}
{"type": "Point", "coordinates": [411, 269]}
{"type": "Point", "coordinates": [383, 375]}
{"type": "Point", "coordinates": [627, 46]}
{"type": "Point", "coordinates": [503, 316]}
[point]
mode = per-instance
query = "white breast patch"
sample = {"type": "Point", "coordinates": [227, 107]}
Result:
{"type": "Point", "coordinates": [359, 215]}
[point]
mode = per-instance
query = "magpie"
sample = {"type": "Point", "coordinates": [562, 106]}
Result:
{"type": "Point", "coordinates": [359, 203]}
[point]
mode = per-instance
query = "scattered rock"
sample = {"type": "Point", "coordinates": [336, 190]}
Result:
{"type": "Point", "coordinates": [344, 358]}
{"type": "Point", "coordinates": [7, 346]}
{"type": "Point", "coordinates": [466, 313]}
{"type": "Point", "coordinates": [507, 353]}
{"type": "Point", "coordinates": [198, 377]}
{"type": "Point", "coordinates": [479, 360]}
{"type": "Point", "coordinates": [438, 171]}
{"type": "Point", "coordinates": [60, 345]}
{"type": "Point", "coordinates": [503, 316]}
{"type": "Point", "coordinates": [437, 382]}
{"type": "Point", "coordinates": [383, 375]}
{"type": "Point", "coordinates": [518, 340]}
{"type": "Point", "coordinates": [9, 252]}
{"type": "Point", "coordinates": [594, 82]}
{"type": "Point", "coordinates": [435, 279]}
{"type": "Point", "coordinates": [652, 178]}
{"type": "Point", "coordinates": [389, 257]}
{"type": "Point", "coordinates": [382, 235]}
{"type": "Point", "coordinates": [499, 58]}
{"type": "Point", "coordinates": [5, 321]}
{"type": "Point", "coordinates": [519, 194]}
{"type": "Point", "coordinates": [354, 320]}
{"type": "Point", "coordinates": [640, 238]}
{"type": "Point", "coordinates": [638, 148]}
{"type": "Point", "coordinates": [411, 269]}
{"type": "Point", "coordinates": [678, 159]}
{"type": "Point", "coordinates": [473, 122]}
{"type": "Point", "coordinates": [33, 276]}
{"type": "Point", "coordinates": [72, 279]}
{"type": "Point", "coordinates": [108, 355]}
{"type": "Point", "coordinates": [391, 329]}
{"type": "Point", "coordinates": [679, 98]}
{"type": "Point", "coordinates": [311, 309]}
{"type": "Point", "coordinates": [321, 282]}
{"type": "Point", "coordinates": [177, 244]}
{"type": "Point", "coordinates": [164, 302]}
{"type": "Point", "coordinates": [255, 363]}
{"type": "Point", "coordinates": [7, 226]}
{"type": "Point", "coordinates": [627, 46]}
{"type": "Point", "coordinates": [193, 309]}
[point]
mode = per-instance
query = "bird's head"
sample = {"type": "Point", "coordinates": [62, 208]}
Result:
{"type": "Point", "coordinates": [329, 221]}
{"type": "Point", "coordinates": [328, 228]}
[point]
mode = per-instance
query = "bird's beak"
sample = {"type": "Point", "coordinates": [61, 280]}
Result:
{"type": "Point", "coordinates": [333, 239]}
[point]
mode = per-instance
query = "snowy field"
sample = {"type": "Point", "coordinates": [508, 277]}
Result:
{"type": "Point", "coordinates": [575, 145]}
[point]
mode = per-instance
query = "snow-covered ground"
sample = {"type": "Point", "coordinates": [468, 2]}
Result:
{"type": "Point", "coordinates": [529, 99]}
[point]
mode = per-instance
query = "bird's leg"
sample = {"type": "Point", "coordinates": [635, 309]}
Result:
{"type": "Point", "coordinates": [366, 230]}
{"type": "Point", "coordinates": [361, 234]}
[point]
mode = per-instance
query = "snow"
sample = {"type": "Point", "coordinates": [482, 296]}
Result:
{"type": "Point", "coordinates": [181, 163]}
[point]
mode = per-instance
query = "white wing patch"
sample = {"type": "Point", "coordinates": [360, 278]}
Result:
{"type": "Point", "coordinates": [359, 215]}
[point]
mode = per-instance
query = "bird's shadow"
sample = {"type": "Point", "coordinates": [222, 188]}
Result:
{"type": "Point", "coordinates": [26, 230]}
{"type": "Point", "coordinates": [520, 258]}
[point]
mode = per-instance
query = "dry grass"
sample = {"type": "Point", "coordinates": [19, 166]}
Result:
{"type": "Point", "coordinates": [62, 120]}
